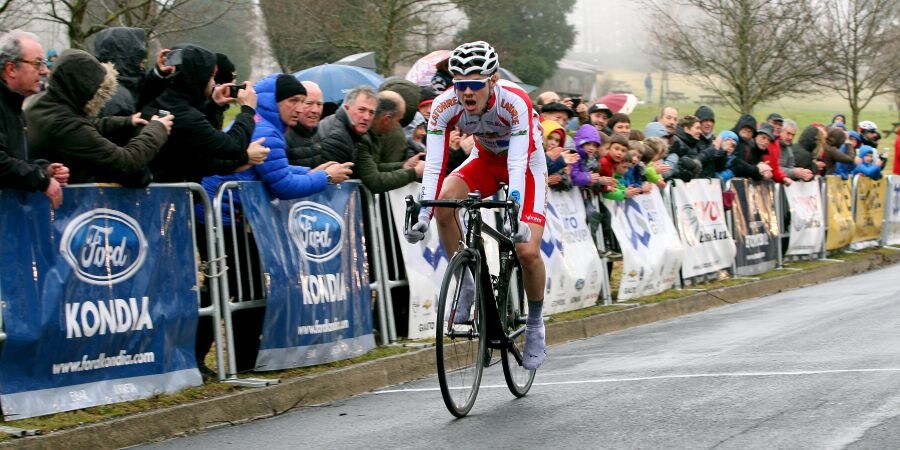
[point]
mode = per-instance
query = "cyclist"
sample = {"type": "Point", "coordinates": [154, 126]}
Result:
{"type": "Point", "coordinates": [508, 149]}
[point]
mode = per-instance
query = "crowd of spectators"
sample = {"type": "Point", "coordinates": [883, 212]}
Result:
{"type": "Point", "coordinates": [103, 117]}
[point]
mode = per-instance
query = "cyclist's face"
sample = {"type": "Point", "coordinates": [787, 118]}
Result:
{"type": "Point", "coordinates": [475, 101]}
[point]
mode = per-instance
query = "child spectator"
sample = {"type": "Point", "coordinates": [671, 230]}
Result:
{"type": "Point", "coordinates": [849, 148]}
{"type": "Point", "coordinates": [623, 191]}
{"type": "Point", "coordinates": [585, 172]}
{"type": "Point", "coordinates": [650, 155]}
{"type": "Point", "coordinates": [870, 165]}
{"type": "Point", "coordinates": [726, 143]}
{"type": "Point", "coordinates": [558, 158]}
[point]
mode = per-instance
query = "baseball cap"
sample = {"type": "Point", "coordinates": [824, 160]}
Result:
{"type": "Point", "coordinates": [600, 107]}
{"type": "Point", "coordinates": [555, 107]}
{"type": "Point", "coordinates": [775, 117]}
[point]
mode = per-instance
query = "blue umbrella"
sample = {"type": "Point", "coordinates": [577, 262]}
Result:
{"type": "Point", "coordinates": [336, 79]}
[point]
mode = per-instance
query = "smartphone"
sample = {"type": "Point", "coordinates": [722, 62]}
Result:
{"type": "Point", "coordinates": [575, 102]}
{"type": "Point", "coordinates": [174, 58]}
{"type": "Point", "coordinates": [162, 113]}
{"type": "Point", "coordinates": [233, 90]}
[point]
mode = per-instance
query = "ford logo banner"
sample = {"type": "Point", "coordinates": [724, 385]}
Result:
{"type": "Point", "coordinates": [104, 246]}
{"type": "Point", "coordinates": [317, 230]}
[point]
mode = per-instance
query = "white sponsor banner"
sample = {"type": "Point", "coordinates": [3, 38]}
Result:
{"type": "Point", "coordinates": [425, 263]}
{"type": "Point", "coordinates": [892, 211]}
{"type": "Point", "coordinates": [651, 250]}
{"type": "Point", "coordinates": [807, 233]}
{"type": "Point", "coordinates": [573, 266]}
{"type": "Point", "coordinates": [702, 227]}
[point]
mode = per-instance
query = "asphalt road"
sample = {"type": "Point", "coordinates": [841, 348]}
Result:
{"type": "Point", "coordinates": [817, 367]}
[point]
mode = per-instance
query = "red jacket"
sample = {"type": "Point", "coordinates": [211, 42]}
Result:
{"type": "Point", "coordinates": [897, 153]}
{"type": "Point", "coordinates": [773, 159]}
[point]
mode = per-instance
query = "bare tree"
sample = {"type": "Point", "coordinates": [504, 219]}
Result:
{"type": "Point", "coordinates": [84, 18]}
{"type": "Point", "coordinates": [396, 30]}
{"type": "Point", "coordinates": [746, 51]}
{"type": "Point", "coordinates": [859, 51]}
{"type": "Point", "coordinates": [15, 14]}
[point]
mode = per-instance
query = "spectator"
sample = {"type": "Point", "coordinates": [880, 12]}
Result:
{"type": "Point", "coordinates": [394, 146]}
{"type": "Point", "coordinates": [196, 148]}
{"type": "Point", "coordinates": [556, 112]}
{"type": "Point", "coordinates": [868, 133]}
{"type": "Point", "coordinates": [668, 116]}
{"type": "Point", "coordinates": [545, 98]}
{"type": "Point", "coordinates": [584, 172]}
{"type": "Point", "coordinates": [623, 190]}
{"type": "Point", "coordinates": [62, 125]}
{"type": "Point", "coordinates": [870, 166]}
{"type": "Point", "coordinates": [648, 156]}
{"type": "Point", "coordinates": [707, 119]}
{"type": "Point", "coordinates": [808, 148]}
{"type": "Point", "coordinates": [636, 135]}
{"type": "Point", "coordinates": [687, 136]}
{"type": "Point", "coordinates": [839, 118]}
{"type": "Point", "coordinates": [558, 158]}
{"type": "Point", "coordinates": [832, 154]}
{"type": "Point", "coordinates": [381, 177]}
{"type": "Point", "coordinates": [416, 140]}
{"type": "Point", "coordinates": [727, 141]}
{"type": "Point", "coordinates": [788, 155]}
{"type": "Point", "coordinates": [442, 79]}
{"type": "Point", "coordinates": [341, 132]}
{"type": "Point", "coordinates": [620, 124]}
{"type": "Point", "coordinates": [776, 121]}
{"type": "Point", "coordinates": [280, 105]}
{"type": "Point", "coordinates": [126, 49]}
{"type": "Point", "coordinates": [226, 75]}
{"type": "Point", "coordinates": [304, 147]}
{"type": "Point", "coordinates": [599, 115]}
{"type": "Point", "coordinates": [22, 59]}
{"type": "Point", "coordinates": [757, 161]}
{"type": "Point", "coordinates": [851, 145]}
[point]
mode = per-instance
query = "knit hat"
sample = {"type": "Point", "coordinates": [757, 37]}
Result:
{"type": "Point", "coordinates": [225, 71]}
{"type": "Point", "coordinates": [286, 86]}
{"type": "Point", "coordinates": [426, 96]}
{"type": "Point", "coordinates": [705, 113]}
{"type": "Point", "coordinates": [728, 134]}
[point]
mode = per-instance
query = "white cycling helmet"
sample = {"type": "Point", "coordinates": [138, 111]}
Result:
{"type": "Point", "coordinates": [868, 125]}
{"type": "Point", "coordinates": [474, 57]}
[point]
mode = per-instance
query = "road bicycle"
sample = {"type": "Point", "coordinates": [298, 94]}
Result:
{"type": "Point", "coordinates": [496, 319]}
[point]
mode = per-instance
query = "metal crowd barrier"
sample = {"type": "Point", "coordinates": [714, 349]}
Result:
{"type": "Point", "coordinates": [381, 264]}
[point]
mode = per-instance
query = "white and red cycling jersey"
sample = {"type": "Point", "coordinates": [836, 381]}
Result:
{"type": "Point", "coordinates": [508, 149]}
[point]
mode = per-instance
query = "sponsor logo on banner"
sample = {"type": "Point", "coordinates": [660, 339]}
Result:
{"type": "Point", "coordinates": [317, 230]}
{"type": "Point", "coordinates": [104, 246]}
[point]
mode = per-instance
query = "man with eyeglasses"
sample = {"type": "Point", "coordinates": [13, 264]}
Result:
{"type": "Point", "coordinates": [22, 60]}
{"type": "Point", "coordinates": [508, 149]}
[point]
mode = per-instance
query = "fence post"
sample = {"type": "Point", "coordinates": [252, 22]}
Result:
{"type": "Point", "coordinates": [383, 295]}
{"type": "Point", "coordinates": [779, 220]}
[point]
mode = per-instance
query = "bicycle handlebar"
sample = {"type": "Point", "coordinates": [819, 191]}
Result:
{"type": "Point", "coordinates": [473, 201]}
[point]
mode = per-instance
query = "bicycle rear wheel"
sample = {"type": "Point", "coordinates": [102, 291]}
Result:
{"type": "Point", "coordinates": [460, 347]}
{"type": "Point", "coordinates": [518, 378]}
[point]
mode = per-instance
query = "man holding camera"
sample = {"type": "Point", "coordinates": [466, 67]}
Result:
{"type": "Point", "coordinates": [196, 147]}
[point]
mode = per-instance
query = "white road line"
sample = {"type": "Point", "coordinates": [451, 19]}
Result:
{"type": "Point", "coordinates": [668, 377]}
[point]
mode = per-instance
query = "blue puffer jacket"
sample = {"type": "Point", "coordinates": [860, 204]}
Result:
{"type": "Point", "coordinates": [871, 169]}
{"type": "Point", "coordinates": [283, 180]}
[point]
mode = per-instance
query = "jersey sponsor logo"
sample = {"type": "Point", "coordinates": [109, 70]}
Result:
{"type": "Point", "coordinates": [104, 246]}
{"type": "Point", "coordinates": [436, 132]}
{"type": "Point", "coordinates": [520, 133]}
{"type": "Point", "coordinates": [513, 114]}
{"type": "Point", "coordinates": [436, 112]}
{"type": "Point", "coordinates": [317, 230]}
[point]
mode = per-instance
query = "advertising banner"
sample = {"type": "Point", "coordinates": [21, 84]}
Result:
{"type": "Point", "coordinates": [891, 231]}
{"type": "Point", "coordinates": [99, 298]}
{"type": "Point", "coordinates": [318, 300]}
{"type": "Point", "coordinates": [807, 231]}
{"type": "Point", "coordinates": [426, 261]}
{"type": "Point", "coordinates": [572, 264]}
{"type": "Point", "coordinates": [840, 217]}
{"type": "Point", "coordinates": [869, 212]}
{"type": "Point", "coordinates": [651, 250]}
{"type": "Point", "coordinates": [704, 233]}
{"type": "Point", "coordinates": [755, 226]}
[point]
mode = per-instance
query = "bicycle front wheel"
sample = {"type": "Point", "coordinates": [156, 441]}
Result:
{"type": "Point", "coordinates": [518, 378]}
{"type": "Point", "coordinates": [460, 334]}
